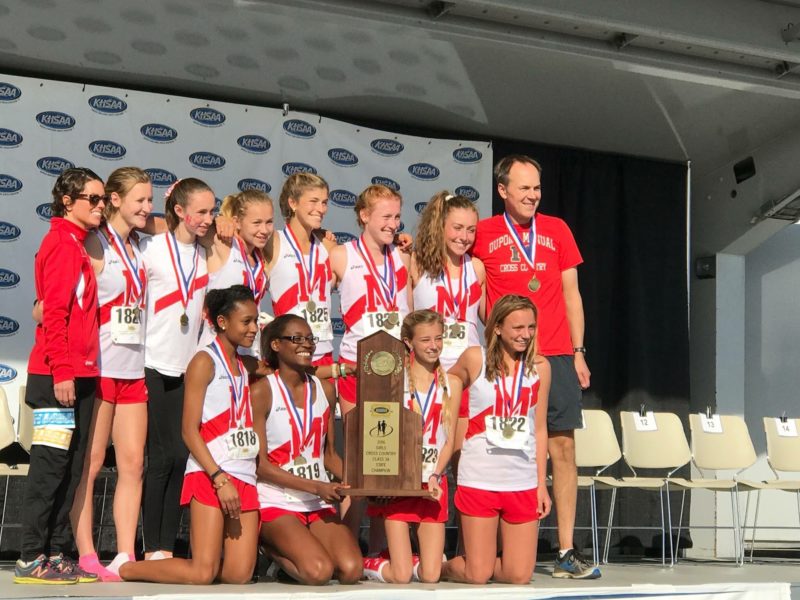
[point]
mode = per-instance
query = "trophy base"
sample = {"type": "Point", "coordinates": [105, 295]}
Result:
{"type": "Point", "coordinates": [384, 493]}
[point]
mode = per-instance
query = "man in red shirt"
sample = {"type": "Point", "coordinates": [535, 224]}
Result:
{"type": "Point", "coordinates": [546, 272]}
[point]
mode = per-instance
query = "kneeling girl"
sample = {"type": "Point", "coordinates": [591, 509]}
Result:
{"type": "Point", "coordinates": [293, 417]}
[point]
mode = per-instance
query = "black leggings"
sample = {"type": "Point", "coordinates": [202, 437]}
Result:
{"type": "Point", "coordinates": [54, 473]}
{"type": "Point", "coordinates": [166, 461]}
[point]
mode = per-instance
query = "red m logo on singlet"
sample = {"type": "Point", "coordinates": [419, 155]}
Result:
{"type": "Point", "coordinates": [321, 278]}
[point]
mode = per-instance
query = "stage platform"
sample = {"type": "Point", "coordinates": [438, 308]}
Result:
{"type": "Point", "coordinates": [690, 580]}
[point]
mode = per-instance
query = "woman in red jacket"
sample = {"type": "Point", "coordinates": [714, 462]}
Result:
{"type": "Point", "coordinates": [62, 372]}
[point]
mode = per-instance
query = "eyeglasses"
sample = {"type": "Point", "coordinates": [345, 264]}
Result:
{"type": "Point", "coordinates": [94, 199]}
{"type": "Point", "coordinates": [299, 339]}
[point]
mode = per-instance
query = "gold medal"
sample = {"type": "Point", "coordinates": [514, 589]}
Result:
{"type": "Point", "coordinates": [508, 431]}
{"type": "Point", "coordinates": [184, 320]}
{"type": "Point", "coordinates": [393, 319]}
{"type": "Point", "coordinates": [299, 460]}
{"type": "Point", "coordinates": [534, 284]}
{"type": "Point", "coordinates": [311, 306]}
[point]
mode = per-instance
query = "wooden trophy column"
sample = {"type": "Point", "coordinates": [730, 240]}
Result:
{"type": "Point", "coordinates": [382, 438]}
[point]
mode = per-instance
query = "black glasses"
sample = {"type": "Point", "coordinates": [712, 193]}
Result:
{"type": "Point", "coordinates": [94, 199]}
{"type": "Point", "coordinates": [299, 339]}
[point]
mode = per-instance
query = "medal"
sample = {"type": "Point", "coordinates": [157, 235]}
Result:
{"type": "Point", "coordinates": [308, 279]}
{"type": "Point", "coordinates": [528, 251]}
{"type": "Point", "coordinates": [255, 276]}
{"type": "Point", "coordinates": [300, 426]}
{"type": "Point", "coordinates": [509, 403]}
{"type": "Point", "coordinates": [387, 281]}
{"type": "Point", "coordinates": [508, 431]}
{"type": "Point", "coordinates": [457, 301]}
{"type": "Point", "coordinates": [393, 319]}
{"type": "Point", "coordinates": [185, 282]}
{"type": "Point", "coordinates": [300, 460]}
{"type": "Point", "coordinates": [311, 306]}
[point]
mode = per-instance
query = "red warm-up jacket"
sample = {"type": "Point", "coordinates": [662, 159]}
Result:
{"type": "Point", "coordinates": [67, 341]}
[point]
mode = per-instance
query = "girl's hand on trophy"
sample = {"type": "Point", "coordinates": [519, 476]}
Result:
{"type": "Point", "coordinates": [330, 492]}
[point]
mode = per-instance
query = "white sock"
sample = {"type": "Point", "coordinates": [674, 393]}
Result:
{"type": "Point", "coordinates": [563, 553]}
{"type": "Point", "coordinates": [119, 560]}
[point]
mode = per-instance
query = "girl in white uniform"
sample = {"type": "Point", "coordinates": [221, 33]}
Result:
{"type": "Point", "coordinates": [503, 468]}
{"type": "Point", "coordinates": [219, 484]}
{"type": "Point", "coordinates": [241, 261]}
{"type": "Point", "coordinates": [293, 416]}
{"type": "Point", "coordinates": [177, 279]}
{"type": "Point", "coordinates": [299, 269]}
{"type": "Point", "coordinates": [120, 410]}
{"type": "Point", "coordinates": [445, 278]}
{"type": "Point", "coordinates": [373, 279]}
{"type": "Point", "coordinates": [435, 396]}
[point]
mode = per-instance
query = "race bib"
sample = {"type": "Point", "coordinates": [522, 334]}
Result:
{"type": "Point", "coordinates": [388, 321]}
{"type": "Point", "coordinates": [508, 432]}
{"type": "Point", "coordinates": [454, 341]}
{"type": "Point", "coordinates": [126, 325]}
{"type": "Point", "coordinates": [307, 470]}
{"type": "Point", "coordinates": [430, 458]}
{"type": "Point", "coordinates": [242, 443]}
{"type": "Point", "coordinates": [319, 319]}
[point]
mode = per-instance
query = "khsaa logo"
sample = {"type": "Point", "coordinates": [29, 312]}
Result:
{"type": "Point", "coordinates": [8, 326]}
{"type": "Point", "coordinates": [9, 92]}
{"type": "Point", "coordinates": [9, 184]}
{"type": "Point", "coordinates": [386, 147]}
{"type": "Point", "coordinates": [420, 206]}
{"type": "Point", "coordinates": [45, 211]}
{"type": "Point", "coordinates": [7, 373]}
{"type": "Point", "coordinates": [8, 279]}
{"type": "Point", "coordinates": [208, 161]}
{"type": "Point", "coordinates": [299, 128]}
{"type": "Point", "coordinates": [54, 165]}
{"type": "Point", "coordinates": [467, 155]}
{"type": "Point", "coordinates": [424, 171]}
{"type": "Point", "coordinates": [291, 168]}
{"type": "Point", "coordinates": [57, 121]}
{"type": "Point", "coordinates": [8, 231]}
{"type": "Point", "coordinates": [9, 139]}
{"type": "Point", "coordinates": [158, 133]}
{"type": "Point", "coordinates": [342, 198]}
{"type": "Point", "coordinates": [343, 237]}
{"type": "Point", "coordinates": [338, 326]}
{"type": "Point", "coordinates": [161, 177]}
{"type": "Point", "coordinates": [208, 117]}
{"type": "Point", "coordinates": [107, 105]}
{"type": "Point", "coordinates": [390, 183]}
{"type": "Point", "coordinates": [469, 192]}
{"type": "Point", "coordinates": [254, 184]}
{"type": "Point", "coordinates": [254, 144]}
{"type": "Point", "coordinates": [107, 150]}
{"type": "Point", "coordinates": [342, 157]}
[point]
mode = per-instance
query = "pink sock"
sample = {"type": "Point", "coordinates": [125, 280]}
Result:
{"type": "Point", "coordinates": [90, 563]}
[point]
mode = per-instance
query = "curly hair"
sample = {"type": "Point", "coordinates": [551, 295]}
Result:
{"type": "Point", "coordinates": [431, 251]}
{"type": "Point", "coordinates": [70, 183]}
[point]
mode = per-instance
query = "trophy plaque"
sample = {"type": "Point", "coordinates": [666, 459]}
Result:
{"type": "Point", "coordinates": [382, 438]}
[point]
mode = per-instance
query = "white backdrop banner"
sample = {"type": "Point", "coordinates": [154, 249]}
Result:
{"type": "Point", "coordinates": [46, 126]}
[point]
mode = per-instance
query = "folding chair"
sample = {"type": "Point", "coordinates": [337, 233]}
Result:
{"type": "Point", "coordinates": [8, 437]}
{"type": "Point", "coordinates": [719, 443]}
{"type": "Point", "coordinates": [783, 454]}
{"type": "Point", "coordinates": [596, 447]}
{"type": "Point", "coordinates": [649, 441]}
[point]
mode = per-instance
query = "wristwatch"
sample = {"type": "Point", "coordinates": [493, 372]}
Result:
{"type": "Point", "coordinates": [581, 349]}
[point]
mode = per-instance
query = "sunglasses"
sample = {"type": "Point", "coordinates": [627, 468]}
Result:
{"type": "Point", "coordinates": [94, 199]}
{"type": "Point", "coordinates": [299, 339]}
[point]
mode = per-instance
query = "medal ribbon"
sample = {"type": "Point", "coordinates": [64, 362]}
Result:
{"type": "Point", "coordinates": [255, 275]}
{"type": "Point", "coordinates": [430, 400]}
{"type": "Point", "coordinates": [301, 428]}
{"type": "Point", "coordinates": [240, 394]}
{"type": "Point", "coordinates": [131, 266]}
{"type": "Point", "coordinates": [184, 283]}
{"type": "Point", "coordinates": [388, 281]}
{"type": "Point", "coordinates": [528, 252]}
{"type": "Point", "coordinates": [313, 255]}
{"type": "Point", "coordinates": [511, 402]}
{"type": "Point", "coordinates": [461, 301]}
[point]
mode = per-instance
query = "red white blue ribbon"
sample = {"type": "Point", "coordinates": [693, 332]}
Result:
{"type": "Point", "coordinates": [528, 252]}
{"type": "Point", "coordinates": [301, 427]}
{"type": "Point", "coordinates": [461, 300]}
{"type": "Point", "coordinates": [255, 275]}
{"type": "Point", "coordinates": [240, 393]}
{"type": "Point", "coordinates": [307, 274]}
{"type": "Point", "coordinates": [387, 282]}
{"type": "Point", "coordinates": [131, 266]}
{"type": "Point", "coordinates": [510, 402]}
{"type": "Point", "coordinates": [430, 401]}
{"type": "Point", "coordinates": [185, 282]}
